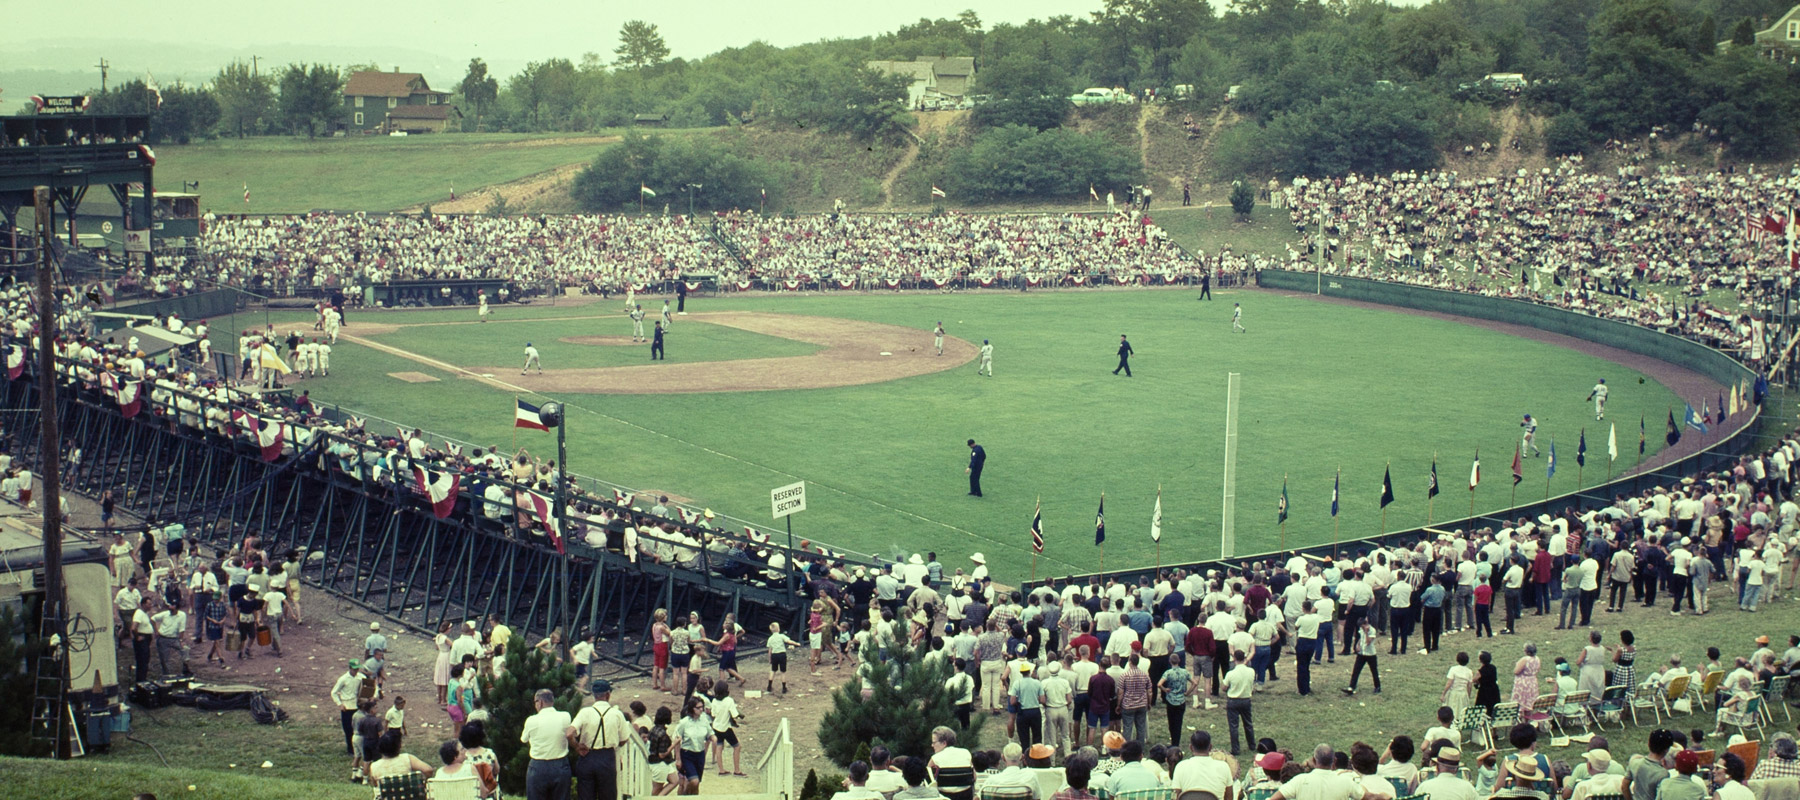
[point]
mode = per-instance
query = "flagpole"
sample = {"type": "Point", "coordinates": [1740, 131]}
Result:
{"type": "Point", "coordinates": [1159, 532]}
{"type": "Point", "coordinates": [1431, 500]}
{"type": "Point", "coordinates": [1386, 477]}
{"type": "Point", "coordinates": [1284, 478]}
{"type": "Point", "coordinates": [515, 430]}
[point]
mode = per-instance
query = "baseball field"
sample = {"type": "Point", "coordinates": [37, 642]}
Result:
{"type": "Point", "coordinates": [845, 392]}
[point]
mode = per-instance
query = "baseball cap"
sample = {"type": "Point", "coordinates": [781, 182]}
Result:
{"type": "Point", "coordinates": [600, 686]}
{"type": "Point", "coordinates": [1271, 761]}
{"type": "Point", "coordinates": [1687, 761]}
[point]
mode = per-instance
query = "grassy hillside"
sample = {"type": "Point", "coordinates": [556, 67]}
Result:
{"type": "Point", "coordinates": [378, 173]}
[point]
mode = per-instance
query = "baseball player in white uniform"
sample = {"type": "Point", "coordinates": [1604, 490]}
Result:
{"type": "Point", "coordinates": [637, 323]}
{"type": "Point", "coordinates": [482, 309]}
{"type": "Point", "coordinates": [937, 337]}
{"type": "Point", "coordinates": [986, 367]}
{"type": "Point", "coordinates": [531, 360]}
{"type": "Point", "coordinates": [322, 357]}
{"type": "Point", "coordinates": [668, 320]}
{"type": "Point", "coordinates": [1529, 445]}
{"type": "Point", "coordinates": [1598, 395]}
{"type": "Point", "coordinates": [1237, 317]}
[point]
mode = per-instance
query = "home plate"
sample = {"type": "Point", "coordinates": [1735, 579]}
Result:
{"type": "Point", "coordinates": [886, 353]}
{"type": "Point", "coordinates": [412, 377]}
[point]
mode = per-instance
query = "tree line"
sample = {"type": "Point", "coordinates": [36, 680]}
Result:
{"type": "Point", "coordinates": [1319, 87]}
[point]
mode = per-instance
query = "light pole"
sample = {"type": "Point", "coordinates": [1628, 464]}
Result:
{"type": "Point", "coordinates": [691, 189]}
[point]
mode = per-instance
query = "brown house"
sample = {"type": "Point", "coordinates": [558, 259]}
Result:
{"type": "Point", "coordinates": [384, 102]}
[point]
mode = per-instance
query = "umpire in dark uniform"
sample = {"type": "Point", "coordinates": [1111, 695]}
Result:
{"type": "Point", "coordinates": [1205, 284]}
{"type": "Point", "coordinates": [656, 344]}
{"type": "Point", "coordinates": [977, 460]}
{"type": "Point", "coordinates": [1124, 357]}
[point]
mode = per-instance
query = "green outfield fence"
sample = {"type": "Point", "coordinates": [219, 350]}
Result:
{"type": "Point", "coordinates": [1723, 450]}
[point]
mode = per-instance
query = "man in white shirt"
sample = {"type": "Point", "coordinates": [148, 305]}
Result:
{"type": "Point", "coordinates": [547, 733]}
{"type": "Point", "coordinates": [1201, 772]}
{"type": "Point", "coordinates": [1324, 782]}
{"type": "Point", "coordinates": [1600, 780]}
{"type": "Point", "coordinates": [1240, 683]}
{"type": "Point", "coordinates": [1446, 784]}
{"type": "Point", "coordinates": [169, 623]}
{"type": "Point", "coordinates": [599, 728]}
{"type": "Point", "coordinates": [1059, 695]}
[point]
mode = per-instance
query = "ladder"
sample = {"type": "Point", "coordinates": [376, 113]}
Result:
{"type": "Point", "coordinates": [49, 712]}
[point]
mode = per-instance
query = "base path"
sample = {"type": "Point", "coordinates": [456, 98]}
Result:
{"type": "Point", "coordinates": [852, 356]}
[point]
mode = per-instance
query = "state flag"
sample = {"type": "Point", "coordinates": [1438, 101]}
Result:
{"type": "Point", "coordinates": [1581, 450]}
{"type": "Point", "coordinates": [525, 415]}
{"type": "Point", "coordinates": [645, 191]}
{"type": "Point", "coordinates": [1475, 472]}
{"type": "Point", "coordinates": [1387, 486]}
{"type": "Point", "coordinates": [1612, 442]}
{"type": "Point", "coordinates": [1336, 478]}
{"type": "Point", "coordinates": [1518, 466]}
{"type": "Point", "coordinates": [1672, 436]}
{"type": "Point", "coordinates": [1281, 505]}
{"type": "Point", "coordinates": [1431, 489]}
{"type": "Point", "coordinates": [1156, 519]}
{"type": "Point", "coordinates": [936, 192]}
{"type": "Point", "coordinates": [1100, 522]}
{"type": "Point", "coordinates": [1037, 528]}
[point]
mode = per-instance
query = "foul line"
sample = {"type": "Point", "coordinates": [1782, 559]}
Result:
{"type": "Point", "coordinates": [496, 382]}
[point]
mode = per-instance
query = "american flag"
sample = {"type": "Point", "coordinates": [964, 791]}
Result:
{"type": "Point", "coordinates": [1037, 528]}
{"type": "Point", "coordinates": [1761, 230]}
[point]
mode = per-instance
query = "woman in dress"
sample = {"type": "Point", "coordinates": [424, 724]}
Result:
{"type": "Point", "coordinates": [440, 670]}
{"type": "Point", "coordinates": [1459, 691]}
{"type": "Point", "coordinates": [1590, 668]}
{"type": "Point", "coordinates": [1487, 683]}
{"type": "Point", "coordinates": [457, 700]}
{"type": "Point", "coordinates": [1525, 679]}
{"type": "Point", "coordinates": [119, 553]}
{"type": "Point", "coordinates": [1624, 659]}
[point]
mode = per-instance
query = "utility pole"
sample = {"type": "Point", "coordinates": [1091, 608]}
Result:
{"type": "Point", "coordinates": [253, 60]}
{"type": "Point", "coordinates": [50, 444]}
{"type": "Point", "coordinates": [103, 65]}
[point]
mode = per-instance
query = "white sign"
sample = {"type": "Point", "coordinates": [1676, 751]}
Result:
{"type": "Point", "coordinates": [137, 241]}
{"type": "Point", "coordinates": [788, 499]}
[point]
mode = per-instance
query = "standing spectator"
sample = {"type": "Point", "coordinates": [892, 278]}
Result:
{"type": "Point", "coordinates": [694, 735]}
{"type": "Point", "coordinates": [1059, 696]}
{"type": "Point", "coordinates": [249, 614]}
{"type": "Point", "coordinates": [1525, 678]}
{"type": "Point", "coordinates": [598, 730]}
{"type": "Point", "coordinates": [171, 623]}
{"type": "Point", "coordinates": [1134, 700]}
{"type": "Point", "coordinates": [547, 735]}
{"type": "Point", "coordinates": [1174, 687]}
{"type": "Point", "coordinates": [1240, 683]}
{"type": "Point", "coordinates": [1368, 646]}
{"type": "Point", "coordinates": [143, 638]}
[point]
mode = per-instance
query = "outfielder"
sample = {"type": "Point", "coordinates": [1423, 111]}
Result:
{"type": "Point", "coordinates": [482, 310]}
{"type": "Point", "coordinates": [1598, 395]}
{"type": "Point", "coordinates": [986, 367]}
{"type": "Point", "coordinates": [667, 320]}
{"type": "Point", "coordinates": [1237, 318]}
{"type": "Point", "coordinates": [1529, 444]}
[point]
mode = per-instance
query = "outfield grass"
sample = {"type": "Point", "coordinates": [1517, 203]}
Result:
{"type": "Point", "coordinates": [110, 778]}
{"type": "Point", "coordinates": [1324, 387]}
{"type": "Point", "coordinates": [374, 173]}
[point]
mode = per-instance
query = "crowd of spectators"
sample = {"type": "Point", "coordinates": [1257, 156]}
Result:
{"type": "Point", "coordinates": [1661, 247]}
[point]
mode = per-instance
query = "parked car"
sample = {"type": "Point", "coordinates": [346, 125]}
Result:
{"type": "Point", "coordinates": [1101, 96]}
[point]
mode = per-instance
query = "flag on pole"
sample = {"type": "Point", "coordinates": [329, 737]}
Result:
{"type": "Point", "coordinates": [1092, 193]}
{"type": "Point", "coordinates": [1281, 505]}
{"type": "Point", "coordinates": [1734, 400]}
{"type": "Point", "coordinates": [267, 358]}
{"type": "Point", "coordinates": [1612, 441]}
{"type": "Point", "coordinates": [1674, 433]}
{"type": "Point", "coordinates": [1037, 528]}
{"type": "Point", "coordinates": [1518, 466]}
{"type": "Point", "coordinates": [1156, 519]}
{"type": "Point", "coordinates": [936, 192]}
{"type": "Point", "coordinates": [1640, 434]}
{"type": "Point", "coordinates": [441, 491]}
{"type": "Point", "coordinates": [1693, 418]}
{"type": "Point", "coordinates": [645, 191]}
{"type": "Point", "coordinates": [1387, 486]}
{"type": "Point", "coordinates": [1581, 450]}
{"type": "Point", "coordinates": [1550, 466]}
{"type": "Point", "coordinates": [1475, 472]}
{"type": "Point", "coordinates": [525, 415]}
{"type": "Point", "coordinates": [1100, 522]}
{"type": "Point", "coordinates": [1431, 489]}
{"type": "Point", "coordinates": [1335, 478]}
{"type": "Point", "coordinates": [246, 194]}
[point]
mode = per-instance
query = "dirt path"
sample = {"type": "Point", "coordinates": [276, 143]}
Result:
{"type": "Point", "coordinates": [1143, 132]}
{"type": "Point", "coordinates": [887, 181]}
{"type": "Point", "coordinates": [519, 194]}
{"type": "Point", "coordinates": [855, 353]}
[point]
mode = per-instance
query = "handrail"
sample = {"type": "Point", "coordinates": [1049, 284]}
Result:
{"type": "Point", "coordinates": [777, 764]}
{"type": "Point", "coordinates": [633, 766]}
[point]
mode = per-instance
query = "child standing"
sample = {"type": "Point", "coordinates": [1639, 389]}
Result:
{"type": "Point", "coordinates": [396, 715]}
{"type": "Point", "coordinates": [778, 644]}
{"type": "Point", "coordinates": [724, 716]}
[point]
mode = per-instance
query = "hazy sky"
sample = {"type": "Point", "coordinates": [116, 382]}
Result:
{"type": "Point", "coordinates": [505, 30]}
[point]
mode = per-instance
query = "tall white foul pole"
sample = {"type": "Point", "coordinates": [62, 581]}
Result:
{"type": "Point", "coordinates": [1227, 533]}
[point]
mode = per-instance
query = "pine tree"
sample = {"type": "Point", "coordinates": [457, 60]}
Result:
{"type": "Point", "coordinates": [509, 701]}
{"type": "Point", "coordinates": [1243, 199]}
{"type": "Point", "coordinates": [810, 788]}
{"type": "Point", "coordinates": [909, 700]}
